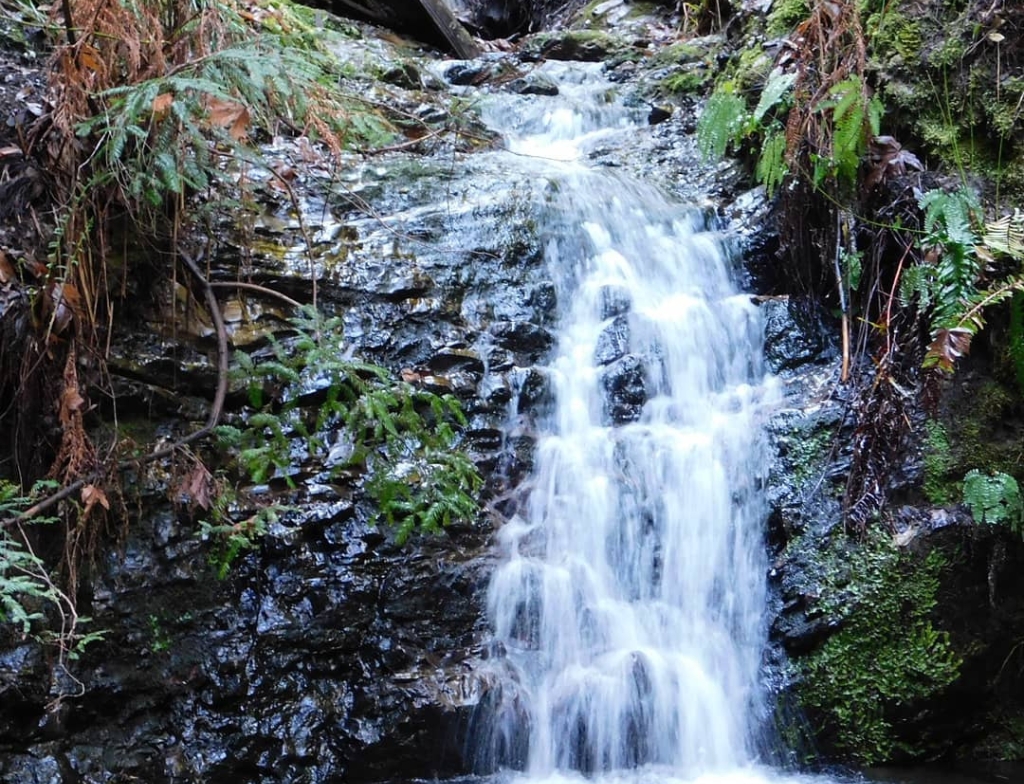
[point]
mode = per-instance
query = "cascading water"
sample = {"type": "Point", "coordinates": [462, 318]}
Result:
{"type": "Point", "coordinates": [630, 597]}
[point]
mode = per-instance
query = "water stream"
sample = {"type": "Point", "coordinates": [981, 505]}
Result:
{"type": "Point", "coordinates": [629, 600]}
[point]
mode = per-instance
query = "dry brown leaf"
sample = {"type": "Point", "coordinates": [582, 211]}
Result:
{"type": "Point", "coordinates": [70, 402]}
{"type": "Point", "coordinates": [89, 57]}
{"type": "Point", "coordinates": [92, 495]}
{"type": "Point", "coordinates": [228, 114]}
{"type": "Point", "coordinates": [63, 302]}
{"type": "Point", "coordinates": [198, 485]}
{"type": "Point", "coordinates": [162, 104]}
{"type": "Point", "coordinates": [7, 272]}
{"type": "Point", "coordinates": [947, 347]}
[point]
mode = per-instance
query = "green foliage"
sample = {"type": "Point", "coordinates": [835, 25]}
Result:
{"type": "Point", "coordinates": [231, 538]}
{"type": "Point", "coordinates": [1015, 344]}
{"type": "Point", "coordinates": [994, 499]}
{"type": "Point", "coordinates": [854, 119]}
{"type": "Point", "coordinates": [777, 87]}
{"type": "Point", "coordinates": [886, 655]}
{"type": "Point", "coordinates": [726, 121]}
{"type": "Point", "coordinates": [686, 81]}
{"type": "Point", "coordinates": [25, 588]}
{"type": "Point", "coordinates": [721, 123]}
{"type": "Point", "coordinates": [852, 263]}
{"type": "Point", "coordinates": [402, 437]}
{"type": "Point", "coordinates": [29, 598]}
{"type": "Point", "coordinates": [785, 15]}
{"type": "Point", "coordinates": [165, 135]}
{"type": "Point", "coordinates": [771, 167]}
{"type": "Point", "coordinates": [946, 284]}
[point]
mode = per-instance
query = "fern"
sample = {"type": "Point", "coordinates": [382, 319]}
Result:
{"type": "Point", "coordinates": [720, 123]}
{"type": "Point", "coordinates": [853, 118]}
{"type": "Point", "coordinates": [403, 438]}
{"type": "Point", "coordinates": [994, 499]}
{"type": "Point", "coordinates": [777, 87]}
{"type": "Point", "coordinates": [771, 164]}
{"type": "Point", "coordinates": [948, 217]}
{"type": "Point", "coordinates": [1006, 235]}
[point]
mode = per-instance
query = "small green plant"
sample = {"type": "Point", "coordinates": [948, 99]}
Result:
{"type": "Point", "coordinates": [721, 123]}
{"type": "Point", "coordinates": [26, 590]}
{"type": "Point", "coordinates": [994, 499]}
{"type": "Point", "coordinates": [230, 537]}
{"type": "Point", "coordinates": [854, 119]}
{"type": "Point", "coordinates": [356, 418]}
{"type": "Point", "coordinates": [160, 640]}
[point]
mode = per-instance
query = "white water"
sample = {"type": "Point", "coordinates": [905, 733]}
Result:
{"type": "Point", "coordinates": [630, 595]}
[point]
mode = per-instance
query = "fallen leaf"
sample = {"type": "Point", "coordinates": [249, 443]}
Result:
{"type": "Point", "coordinates": [92, 495]}
{"type": "Point", "coordinates": [10, 152]}
{"type": "Point", "coordinates": [198, 485]}
{"type": "Point", "coordinates": [162, 104]}
{"type": "Point", "coordinates": [228, 114]}
{"type": "Point", "coordinates": [89, 57]}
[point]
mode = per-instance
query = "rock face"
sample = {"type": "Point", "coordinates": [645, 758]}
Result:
{"type": "Point", "coordinates": [332, 654]}
{"type": "Point", "coordinates": [329, 653]}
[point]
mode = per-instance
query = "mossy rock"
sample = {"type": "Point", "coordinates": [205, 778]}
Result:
{"type": "Point", "coordinates": [584, 45]}
{"type": "Point", "coordinates": [785, 15]}
{"type": "Point", "coordinates": [886, 656]}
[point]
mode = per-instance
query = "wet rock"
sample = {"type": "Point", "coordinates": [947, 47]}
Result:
{"type": "Point", "coordinates": [522, 337]}
{"type": "Point", "coordinates": [468, 72]}
{"type": "Point", "coordinates": [615, 300]}
{"type": "Point", "coordinates": [794, 334]}
{"type": "Point", "coordinates": [585, 45]}
{"type": "Point", "coordinates": [613, 342]}
{"type": "Point", "coordinates": [659, 114]}
{"type": "Point", "coordinates": [533, 390]}
{"type": "Point", "coordinates": [405, 75]}
{"type": "Point", "coordinates": [534, 84]}
{"type": "Point", "coordinates": [625, 386]}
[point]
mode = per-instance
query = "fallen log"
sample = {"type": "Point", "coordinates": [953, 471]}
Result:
{"type": "Point", "coordinates": [431, 20]}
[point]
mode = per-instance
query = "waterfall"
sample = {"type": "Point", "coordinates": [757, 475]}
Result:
{"type": "Point", "coordinates": [629, 596]}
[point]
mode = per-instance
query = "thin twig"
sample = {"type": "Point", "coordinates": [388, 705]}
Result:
{"type": "Point", "coordinates": [234, 284]}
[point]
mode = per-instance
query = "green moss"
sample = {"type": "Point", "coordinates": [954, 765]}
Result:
{"type": "Point", "coordinates": [948, 53]}
{"type": "Point", "coordinates": [753, 68]}
{"type": "Point", "coordinates": [976, 438]}
{"type": "Point", "coordinates": [886, 656]}
{"type": "Point", "coordinates": [894, 38]}
{"type": "Point", "coordinates": [938, 462]}
{"type": "Point", "coordinates": [805, 454]}
{"type": "Point", "coordinates": [785, 15]}
{"type": "Point", "coordinates": [684, 82]}
{"type": "Point", "coordinates": [677, 54]}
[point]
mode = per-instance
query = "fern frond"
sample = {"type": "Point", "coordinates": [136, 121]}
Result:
{"type": "Point", "coordinates": [1006, 235]}
{"type": "Point", "coordinates": [771, 164]}
{"type": "Point", "coordinates": [720, 123]}
{"type": "Point", "coordinates": [778, 85]}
